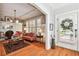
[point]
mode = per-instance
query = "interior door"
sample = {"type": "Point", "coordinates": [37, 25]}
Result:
{"type": "Point", "coordinates": [67, 30]}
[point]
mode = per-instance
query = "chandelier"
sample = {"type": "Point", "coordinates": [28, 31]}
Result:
{"type": "Point", "coordinates": [14, 18]}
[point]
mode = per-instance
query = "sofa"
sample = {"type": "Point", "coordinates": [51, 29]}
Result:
{"type": "Point", "coordinates": [29, 36]}
{"type": "Point", "coordinates": [18, 33]}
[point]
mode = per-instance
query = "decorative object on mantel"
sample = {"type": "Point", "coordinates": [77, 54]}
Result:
{"type": "Point", "coordinates": [7, 18]}
{"type": "Point", "coordinates": [1, 19]}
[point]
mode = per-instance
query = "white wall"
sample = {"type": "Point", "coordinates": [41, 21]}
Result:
{"type": "Point", "coordinates": [66, 8]}
{"type": "Point", "coordinates": [16, 26]}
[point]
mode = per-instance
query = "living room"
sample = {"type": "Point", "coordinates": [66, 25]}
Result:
{"type": "Point", "coordinates": [20, 26]}
{"type": "Point", "coordinates": [33, 29]}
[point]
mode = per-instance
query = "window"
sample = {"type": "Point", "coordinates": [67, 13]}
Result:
{"type": "Point", "coordinates": [34, 25]}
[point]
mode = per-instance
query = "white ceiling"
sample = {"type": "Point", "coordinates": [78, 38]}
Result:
{"type": "Point", "coordinates": [23, 10]}
{"type": "Point", "coordinates": [57, 5]}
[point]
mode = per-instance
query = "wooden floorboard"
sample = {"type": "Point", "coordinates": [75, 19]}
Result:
{"type": "Point", "coordinates": [37, 49]}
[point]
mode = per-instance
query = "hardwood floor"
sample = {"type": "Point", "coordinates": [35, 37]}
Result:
{"type": "Point", "coordinates": [37, 49]}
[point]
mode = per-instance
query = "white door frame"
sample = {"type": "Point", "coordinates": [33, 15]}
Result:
{"type": "Point", "coordinates": [47, 44]}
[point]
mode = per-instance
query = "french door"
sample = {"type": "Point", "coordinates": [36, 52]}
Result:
{"type": "Point", "coordinates": [67, 27]}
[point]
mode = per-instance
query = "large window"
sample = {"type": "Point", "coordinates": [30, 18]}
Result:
{"type": "Point", "coordinates": [30, 26]}
{"type": "Point", "coordinates": [33, 25]}
{"type": "Point", "coordinates": [38, 25]}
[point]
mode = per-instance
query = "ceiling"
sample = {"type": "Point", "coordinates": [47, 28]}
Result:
{"type": "Point", "coordinates": [23, 10]}
{"type": "Point", "coordinates": [57, 5]}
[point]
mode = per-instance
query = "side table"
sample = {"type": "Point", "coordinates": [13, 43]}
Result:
{"type": "Point", "coordinates": [40, 37]}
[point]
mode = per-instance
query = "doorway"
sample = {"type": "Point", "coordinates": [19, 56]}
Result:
{"type": "Point", "coordinates": [40, 25]}
{"type": "Point", "coordinates": [67, 27]}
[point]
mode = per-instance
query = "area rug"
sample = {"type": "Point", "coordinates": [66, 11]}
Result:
{"type": "Point", "coordinates": [9, 48]}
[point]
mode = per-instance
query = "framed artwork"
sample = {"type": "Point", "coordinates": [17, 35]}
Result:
{"type": "Point", "coordinates": [1, 19]}
{"type": "Point", "coordinates": [51, 27]}
{"type": "Point", "coordinates": [5, 18]}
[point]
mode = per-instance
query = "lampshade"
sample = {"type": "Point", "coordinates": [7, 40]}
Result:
{"type": "Point", "coordinates": [40, 30]}
{"type": "Point", "coordinates": [24, 28]}
{"type": "Point", "coordinates": [11, 21]}
{"type": "Point", "coordinates": [17, 21]}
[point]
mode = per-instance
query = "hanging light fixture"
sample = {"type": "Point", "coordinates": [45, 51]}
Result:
{"type": "Point", "coordinates": [17, 21]}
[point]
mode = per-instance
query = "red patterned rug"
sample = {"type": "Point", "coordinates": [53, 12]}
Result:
{"type": "Point", "coordinates": [13, 47]}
